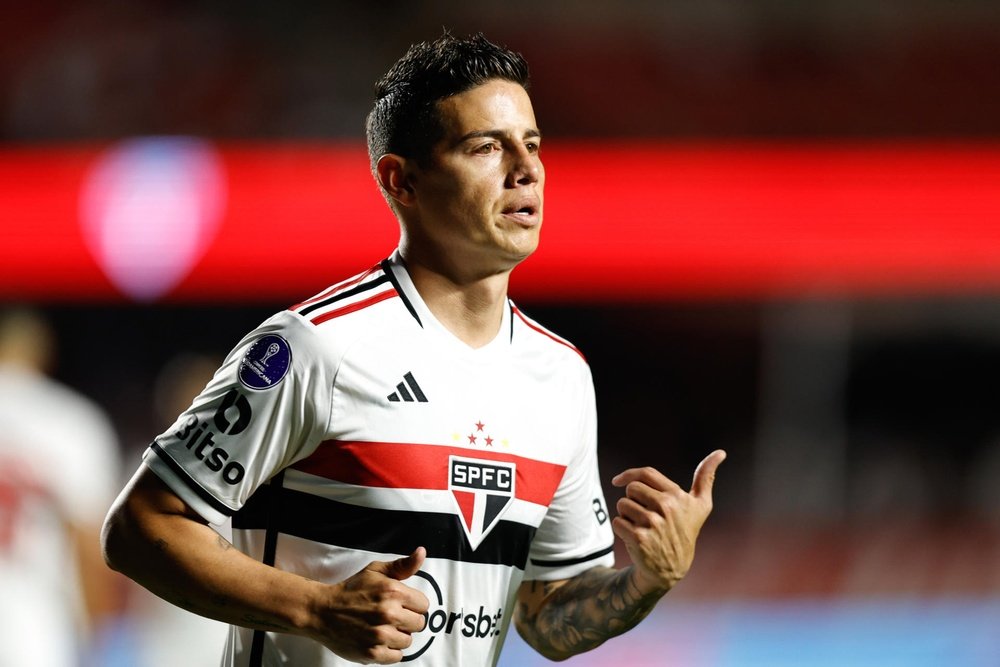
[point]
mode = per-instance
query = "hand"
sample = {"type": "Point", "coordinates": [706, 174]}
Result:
{"type": "Point", "coordinates": [659, 522]}
{"type": "Point", "coordinates": [370, 617]}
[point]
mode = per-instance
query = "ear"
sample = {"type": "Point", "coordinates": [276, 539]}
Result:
{"type": "Point", "coordinates": [394, 177]}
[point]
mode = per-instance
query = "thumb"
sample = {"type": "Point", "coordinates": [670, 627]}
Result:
{"type": "Point", "coordinates": [401, 568]}
{"type": "Point", "coordinates": [704, 475]}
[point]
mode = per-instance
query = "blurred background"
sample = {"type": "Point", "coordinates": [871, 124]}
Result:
{"type": "Point", "coordinates": [772, 227]}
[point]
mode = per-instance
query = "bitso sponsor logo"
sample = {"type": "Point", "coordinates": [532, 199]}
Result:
{"type": "Point", "coordinates": [483, 490]}
{"type": "Point", "coordinates": [231, 418]}
{"type": "Point", "coordinates": [472, 623]}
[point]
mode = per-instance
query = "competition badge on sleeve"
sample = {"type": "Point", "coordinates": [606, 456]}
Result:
{"type": "Point", "coordinates": [266, 362]}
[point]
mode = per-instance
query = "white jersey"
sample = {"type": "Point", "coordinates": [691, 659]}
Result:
{"type": "Point", "coordinates": [59, 470]}
{"type": "Point", "coordinates": [354, 427]}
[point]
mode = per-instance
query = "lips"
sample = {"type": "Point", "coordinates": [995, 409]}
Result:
{"type": "Point", "coordinates": [523, 207]}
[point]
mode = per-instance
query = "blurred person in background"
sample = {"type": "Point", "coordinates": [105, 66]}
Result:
{"type": "Point", "coordinates": [59, 468]}
{"type": "Point", "coordinates": [367, 442]}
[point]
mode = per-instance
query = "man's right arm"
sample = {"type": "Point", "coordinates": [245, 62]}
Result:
{"type": "Point", "coordinates": [156, 539]}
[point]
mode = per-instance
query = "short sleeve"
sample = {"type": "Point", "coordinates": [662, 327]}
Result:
{"type": "Point", "coordinates": [266, 407]}
{"type": "Point", "coordinates": [575, 534]}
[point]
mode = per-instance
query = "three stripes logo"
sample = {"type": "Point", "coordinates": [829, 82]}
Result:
{"type": "Point", "coordinates": [408, 391]}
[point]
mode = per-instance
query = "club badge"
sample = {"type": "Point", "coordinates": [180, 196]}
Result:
{"type": "Point", "coordinates": [483, 491]}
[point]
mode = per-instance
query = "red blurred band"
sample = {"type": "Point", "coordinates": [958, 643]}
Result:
{"type": "Point", "coordinates": [624, 222]}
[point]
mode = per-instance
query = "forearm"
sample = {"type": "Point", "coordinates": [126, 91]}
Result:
{"type": "Point", "coordinates": [190, 565]}
{"type": "Point", "coordinates": [581, 613]}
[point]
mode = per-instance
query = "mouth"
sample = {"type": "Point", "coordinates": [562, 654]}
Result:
{"type": "Point", "coordinates": [524, 210]}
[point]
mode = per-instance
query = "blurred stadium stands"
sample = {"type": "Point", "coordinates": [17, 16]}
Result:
{"type": "Point", "coordinates": [763, 68]}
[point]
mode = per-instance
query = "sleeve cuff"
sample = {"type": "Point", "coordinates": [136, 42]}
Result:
{"type": "Point", "coordinates": [540, 569]}
{"type": "Point", "coordinates": [186, 488]}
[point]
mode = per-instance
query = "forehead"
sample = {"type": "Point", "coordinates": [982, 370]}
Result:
{"type": "Point", "coordinates": [494, 105]}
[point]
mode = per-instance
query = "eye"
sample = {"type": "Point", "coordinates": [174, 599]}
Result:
{"type": "Point", "coordinates": [532, 146]}
{"type": "Point", "coordinates": [486, 149]}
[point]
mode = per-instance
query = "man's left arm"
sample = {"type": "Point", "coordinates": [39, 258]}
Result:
{"type": "Point", "coordinates": [659, 523]}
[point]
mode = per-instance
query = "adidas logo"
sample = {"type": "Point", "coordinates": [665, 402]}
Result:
{"type": "Point", "coordinates": [403, 394]}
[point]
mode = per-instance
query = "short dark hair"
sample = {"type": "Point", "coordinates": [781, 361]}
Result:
{"type": "Point", "coordinates": [404, 119]}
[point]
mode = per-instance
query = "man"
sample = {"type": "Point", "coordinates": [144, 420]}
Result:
{"type": "Point", "coordinates": [59, 467]}
{"type": "Point", "coordinates": [408, 460]}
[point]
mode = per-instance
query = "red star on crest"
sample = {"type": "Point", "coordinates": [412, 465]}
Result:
{"type": "Point", "coordinates": [479, 435]}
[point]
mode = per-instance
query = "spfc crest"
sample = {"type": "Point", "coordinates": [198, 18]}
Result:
{"type": "Point", "coordinates": [483, 491]}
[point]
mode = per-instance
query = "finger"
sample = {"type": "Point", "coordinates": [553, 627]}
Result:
{"type": "Point", "coordinates": [401, 568]}
{"type": "Point", "coordinates": [417, 602]}
{"type": "Point", "coordinates": [650, 498]}
{"type": "Point", "coordinates": [649, 476]}
{"type": "Point", "coordinates": [633, 512]}
{"type": "Point", "coordinates": [385, 655]}
{"type": "Point", "coordinates": [398, 641]}
{"type": "Point", "coordinates": [625, 530]}
{"type": "Point", "coordinates": [411, 621]}
{"type": "Point", "coordinates": [704, 475]}
{"type": "Point", "coordinates": [389, 644]}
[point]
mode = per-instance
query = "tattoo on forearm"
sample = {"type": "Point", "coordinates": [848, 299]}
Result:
{"type": "Point", "coordinates": [583, 613]}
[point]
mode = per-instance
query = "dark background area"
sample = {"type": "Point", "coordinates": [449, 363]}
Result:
{"type": "Point", "coordinates": [722, 68]}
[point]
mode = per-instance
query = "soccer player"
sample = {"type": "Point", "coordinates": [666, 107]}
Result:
{"type": "Point", "coordinates": [409, 461]}
{"type": "Point", "coordinates": [59, 469]}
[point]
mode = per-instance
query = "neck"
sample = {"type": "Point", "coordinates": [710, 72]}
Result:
{"type": "Point", "coordinates": [470, 309]}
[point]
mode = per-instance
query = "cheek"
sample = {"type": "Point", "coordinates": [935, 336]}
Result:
{"type": "Point", "coordinates": [468, 203]}
{"type": "Point", "coordinates": [478, 195]}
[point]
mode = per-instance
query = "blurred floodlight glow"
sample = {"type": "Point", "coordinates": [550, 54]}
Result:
{"type": "Point", "coordinates": [149, 208]}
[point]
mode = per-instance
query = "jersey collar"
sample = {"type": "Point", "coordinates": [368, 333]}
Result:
{"type": "Point", "coordinates": [395, 268]}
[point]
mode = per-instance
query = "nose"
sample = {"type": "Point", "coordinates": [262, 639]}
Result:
{"type": "Point", "coordinates": [525, 168]}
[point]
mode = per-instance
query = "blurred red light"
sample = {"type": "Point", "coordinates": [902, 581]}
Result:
{"type": "Point", "coordinates": [623, 222]}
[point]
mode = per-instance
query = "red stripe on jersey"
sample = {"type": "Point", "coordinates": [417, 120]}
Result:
{"type": "Point", "coordinates": [411, 466]}
{"type": "Point", "coordinates": [337, 288]}
{"type": "Point", "coordinates": [546, 333]}
{"type": "Point", "coordinates": [357, 305]}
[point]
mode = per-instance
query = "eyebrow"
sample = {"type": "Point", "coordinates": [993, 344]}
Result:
{"type": "Point", "coordinates": [496, 134]}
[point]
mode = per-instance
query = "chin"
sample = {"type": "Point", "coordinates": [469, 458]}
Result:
{"type": "Point", "coordinates": [518, 256]}
{"type": "Point", "coordinates": [521, 249]}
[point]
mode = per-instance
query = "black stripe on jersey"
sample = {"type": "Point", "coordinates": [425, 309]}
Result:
{"type": "Point", "coordinates": [387, 531]}
{"type": "Point", "coordinates": [270, 552]}
{"type": "Point", "coordinates": [510, 307]}
{"type": "Point", "coordinates": [572, 561]}
{"type": "Point", "coordinates": [187, 479]}
{"type": "Point", "coordinates": [357, 289]}
{"type": "Point", "coordinates": [387, 267]}
{"type": "Point", "coordinates": [274, 512]}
